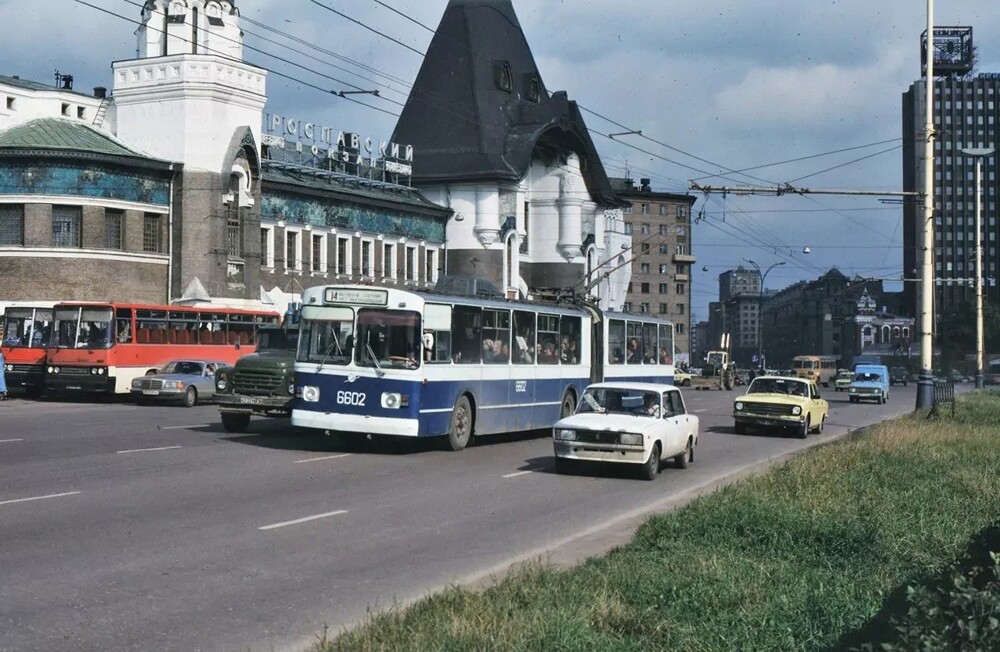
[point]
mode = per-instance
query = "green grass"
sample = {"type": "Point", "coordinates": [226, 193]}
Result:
{"type": "Point", "coordinates": [797, 559]}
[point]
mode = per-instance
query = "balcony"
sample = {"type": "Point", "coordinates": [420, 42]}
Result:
{"type": "Point", "coordinates": [684, 259]}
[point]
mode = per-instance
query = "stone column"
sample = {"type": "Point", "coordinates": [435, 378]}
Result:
{"type": "Point", "coordinates": [569, 205]}
{"type": "Point", "coordinates": [487, 227]}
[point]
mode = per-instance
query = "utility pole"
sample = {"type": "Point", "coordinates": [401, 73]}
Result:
{"type": "Point", "coordinates": [979, 154]}
{"type": "Point", "coordinates": [925, 383]}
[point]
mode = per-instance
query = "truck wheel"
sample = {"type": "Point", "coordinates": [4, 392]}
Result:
{"type": "Point", "coordinates": [460, 431]}
{"type": "Point", "coordinates": [652, 466]}
{"type": "Point", "coordinates": [190, 398]}
{"type": "Point", "coordinates": [235, 422]}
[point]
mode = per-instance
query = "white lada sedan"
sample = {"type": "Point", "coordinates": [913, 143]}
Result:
{"type": "Point", "coordinates": [630, 423]}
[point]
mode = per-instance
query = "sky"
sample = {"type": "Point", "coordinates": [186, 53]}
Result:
{"type": "Point", "coordinates": [714, 86]}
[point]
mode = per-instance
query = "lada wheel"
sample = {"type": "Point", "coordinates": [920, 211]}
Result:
{"type": "Point", "coordinates": [684, 459]}
{"type": "Point", "coordinates": [652, 466]}
{"type": "Point", "coordinates": [235, 422]}
{"type": "Point", "coordinates": [190, 398]}
{"type": "Point", "coordinates": [803, 430]}
{"type": "Point", "coordinates": [819, 429]}
{"type": "Point", "coordinates": [460, 431]}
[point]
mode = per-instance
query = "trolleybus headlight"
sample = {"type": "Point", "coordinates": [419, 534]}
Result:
{"type": "Point", "coordinates": [796, 410]}
{"type": "Point", "coordinates": [630, 439]}
{"type": "Point", "coordinates": [566, 435]}
{"type": "Point", "coordinates": [390, 400]}
{"type": "Point", "coordinates": [739, 406]}
{"type": "Point", "coordinates": [310, 394]}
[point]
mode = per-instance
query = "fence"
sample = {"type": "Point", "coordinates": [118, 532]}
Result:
{"type": "Point", "coordinates": [944, 393]}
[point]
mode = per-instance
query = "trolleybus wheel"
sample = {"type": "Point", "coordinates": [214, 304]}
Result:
{"type": "Point", "coordinates": [235, 422]}
{"type": "Point", "coordinates": [460, 431]}
{"type": "Point", "coordinates": [568, 405]}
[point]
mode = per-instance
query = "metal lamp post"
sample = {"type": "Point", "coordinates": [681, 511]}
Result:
{"type": "Point", "coordinates": [760, 309]}
{"type": "Point", "coordinates": [979, 153]}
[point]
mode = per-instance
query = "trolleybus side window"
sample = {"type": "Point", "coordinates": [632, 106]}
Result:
{"type": "Point", "coordinates": [616, 341]}
{"type": "Point", "coordinates": [389, 338]}
{"type": "Point", "coordinates": [523, 347]}
{"type": "Point", "coordinates": [437, 333]}
{"type": "Point", "coordinates": [326, 336]}
{"type": "Point", "coordinates": [569, 340]}
{"type": "Point", "coordinates": [123, 325]}
{"type": "Point", "coordinates": [649, 348]}
{"type": "Point", "coordinates": [466, 337]}
{"type": "Point", "coordinates": [548, 339]}
{"type": "Point", "coordinates": [666, 352]}
{"type": "Point", "coordinates": [633, 332]}
{"type": "Point", "coordinates": [496, 336]}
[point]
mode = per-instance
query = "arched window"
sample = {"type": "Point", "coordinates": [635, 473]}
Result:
{"type": "Point", "coordinates": [895, 333]}
{"type": "Point", "coordinates": [885, 334]}
{"type": "Point", "coordinates": [906, 332]}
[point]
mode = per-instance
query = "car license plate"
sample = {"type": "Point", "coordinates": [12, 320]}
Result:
{"type": "Point", "coordinates": [768, 422]}
{"type": "Point", "coordinates": [73, 387]}
{"type": "Point", "coordinates": [250, 400]}
{"type": "Point", "coordinates": [151, 392]}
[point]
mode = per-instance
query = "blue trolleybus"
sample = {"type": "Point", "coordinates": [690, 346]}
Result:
{"type": "Point", "coordinates": [386, 361]}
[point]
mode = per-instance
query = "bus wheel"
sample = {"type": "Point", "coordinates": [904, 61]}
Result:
{"type": "Point", "coordinates": [461, 425]}
{"type": "Point", "coordinates": [568, 405]}
{"type": "Point", "coordinates": [190, 398]}
{"type": "Point", "coordinates": [235, 422]}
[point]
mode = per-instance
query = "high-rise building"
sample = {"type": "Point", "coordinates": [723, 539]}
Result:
{"type": "Point", "coordinates": [966, 112]}
{"type": "Point", "coordinates": [660, 224]}
{"type": "Point", "coordinates": [739, 299]}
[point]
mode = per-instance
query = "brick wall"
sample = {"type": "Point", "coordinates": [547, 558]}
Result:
{"type": "Point", "coordinates": [75, 279]}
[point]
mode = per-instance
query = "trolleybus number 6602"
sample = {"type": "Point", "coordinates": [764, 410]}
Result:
{"type": "Point", "coordinates": [351, 398]}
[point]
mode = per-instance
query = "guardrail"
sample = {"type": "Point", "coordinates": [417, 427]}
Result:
{"type": "Point", "coordinates": [944, 393]}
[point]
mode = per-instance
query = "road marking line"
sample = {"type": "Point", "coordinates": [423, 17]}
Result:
{"type": "Point", "coordinates": [197, 425]}
{"type": "Point", "coordinates": [24, 500]}
{"type": "Point", "coordinates": [9, 441]}
{"type": "Point", "coordinates": [702, 410]}
{"type": "Point", "coordinates": [302, 520]}
{"type": "Point", "coordinates": [319, 459]}
{"type": "Point", "coordinates": [148, 450]}
{"type": "Point", "coordinates": [514, 475]}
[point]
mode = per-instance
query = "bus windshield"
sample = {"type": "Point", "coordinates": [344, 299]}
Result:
{"type": "Point", "coordinates": [388, 338]}
{"type": "Point", "coordinates": [803, 364]}
{"type": "Point", "coordinates": [27, 327]}
{"type": "Point", "coordinates": [84, 328]}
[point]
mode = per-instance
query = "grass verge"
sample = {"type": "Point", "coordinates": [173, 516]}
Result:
{"type": "Point", "coordinates": [813, 555]}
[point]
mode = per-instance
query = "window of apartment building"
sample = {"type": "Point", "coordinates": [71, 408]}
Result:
{"type": "Point", "coordinates": [664, 230]}
{"type": "Point", "coordinates": [629, 290]}
{"type": "Point", "coordinates": [627, 307]}
{"type": "Point", "coordinates": [644, 308]}
{"type": "Point", "coordinates": [293, 250]}
{"type": "Point", "coordinates": [680, 230]}
{"type": "Point", "coordinates": [319, 253]}
{"type": "Point", "coordinates": [663, 209]}
{"type": "Point", "coordinates": [683, 212]}
{"type": "Point", "coordinates": [680, 269]}
{"type": "Point", "coordinates": [663, 268]}
{"type": "Point", "coordinates": [679, 288]}
{"type": "Point", "coordinates": [114, 220]}
{"type": "Point", "coordinates": [663, 308]}
{"type": "Point", "coordinates": [66, 226]}
{"type": "Point", "coordinates": [267, 247]}
{"type": "Point", "coordinates": [644, 268]}
{"type": "Point", "coordinates": [411, 263]}
{"type": "Point", "coordinates": [645, 209]}
{"type": "Point", "coordinates": [680, 249]}
{"type": "Point", "coordinates": [151, 238]}
{"type": "Point", "coordinates": [680, 308]}
{"type": "Point", "coordinates": [644, 227]}
{"type": "Point", "coordinates": [664, 250]}
{"type": "Point", "coordinates": [12, 225]}
{"type": "Point", "coordinates": [628, 209]}
{"type": "Point", "coordinates": [389, 261]}
{"type": "Point", "coordinates": [644, 288]}
{"type": "Point", "coordinates": [645, 247]}
{"type": "Point", "coordinates": [628, 226]}
{"type": "Point", "coordinates": [679, 328]}
{"type": "Point", "coordinates": [663, 288]}
{"type": "Point", "coordinates": [344, 255]}
{"type": "Point", "coordinates": [367, 258]}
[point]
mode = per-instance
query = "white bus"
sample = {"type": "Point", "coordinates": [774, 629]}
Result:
{"type": "Point", "coordinates": [385, 361]}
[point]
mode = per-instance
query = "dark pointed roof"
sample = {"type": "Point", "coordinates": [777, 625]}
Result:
{"type": "Point", "coordinates": [464, 127]}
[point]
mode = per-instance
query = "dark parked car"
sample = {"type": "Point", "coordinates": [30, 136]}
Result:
{"type": "Point", "coordinates": [899, 376]}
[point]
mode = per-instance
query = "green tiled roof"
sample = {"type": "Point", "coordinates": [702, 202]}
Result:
{"type": "Point", "coordinates": [64, 135]}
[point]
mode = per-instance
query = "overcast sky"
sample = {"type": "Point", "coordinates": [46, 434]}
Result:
{"type": "Point", "coordinates": [737, 83]}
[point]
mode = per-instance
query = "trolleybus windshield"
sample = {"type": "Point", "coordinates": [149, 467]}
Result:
{"type": "Point", "coordinates": [388, 338]}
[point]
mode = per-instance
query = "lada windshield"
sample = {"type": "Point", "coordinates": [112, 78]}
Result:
{"type": "Point", "coordinates": [388, 338]}
{"type": "Point", "coordinates": [84, 328]}
{"type": "Point", "coordinates": [27, 327]}
{"type": "Point", "coordinates": [868, 378]}
{"type": "Point", "coordinates": [603, 400]}
{"type": "Point", "coordinates": [777, 386]}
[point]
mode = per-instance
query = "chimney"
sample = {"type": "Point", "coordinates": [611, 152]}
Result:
{"type": "Point", "coordinates": [100, 92]}
{"type": "Point", "coordinates": [645, 185]}
{"type": "Point", "coordinates": [629, 184]}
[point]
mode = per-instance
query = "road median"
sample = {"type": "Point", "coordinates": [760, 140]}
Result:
{"type": "Point", "coordinates": [812, 555]}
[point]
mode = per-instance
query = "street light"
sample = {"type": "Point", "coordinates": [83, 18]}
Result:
{"type": "Point", "coordinates": [760, 309]}
{"type": "Point", "coordinates": [979, 153]}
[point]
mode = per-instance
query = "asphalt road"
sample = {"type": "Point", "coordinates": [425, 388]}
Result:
{"type": "Point", "coordinates": [128, 528]}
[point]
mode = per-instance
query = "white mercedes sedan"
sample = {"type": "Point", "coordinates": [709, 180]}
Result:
{"type": "Point", "coordinates": [630, 423]}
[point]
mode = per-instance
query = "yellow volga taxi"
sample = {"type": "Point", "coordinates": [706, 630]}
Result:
{"type": "Point", "coordinates": [781, 403]}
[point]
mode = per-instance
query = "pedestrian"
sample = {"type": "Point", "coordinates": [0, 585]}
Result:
{"type": "Point", "coordinates": [3, 380]}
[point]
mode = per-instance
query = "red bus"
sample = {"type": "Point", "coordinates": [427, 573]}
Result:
{"type": "Point", "coordinates": [25, 335]}
{"type": "Point", "coordinates": [102, 347]}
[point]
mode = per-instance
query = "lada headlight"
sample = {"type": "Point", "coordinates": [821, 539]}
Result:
{"type": "Point", "coordinates": [796, 410]}
{"type": "Point", "coordinates": [739, 406]}
{"type": "Point", "coordinates": [630, 439]}
{"type": "Point", "coordinates": [853, 390]}
{"type": "Point", "coordinates": [310, 394]}
{"type": "Point", "coordinates": [566, 435]}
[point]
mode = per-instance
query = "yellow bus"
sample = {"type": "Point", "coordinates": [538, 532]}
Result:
{"type": "Point", "coordinates": [818, 368]}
